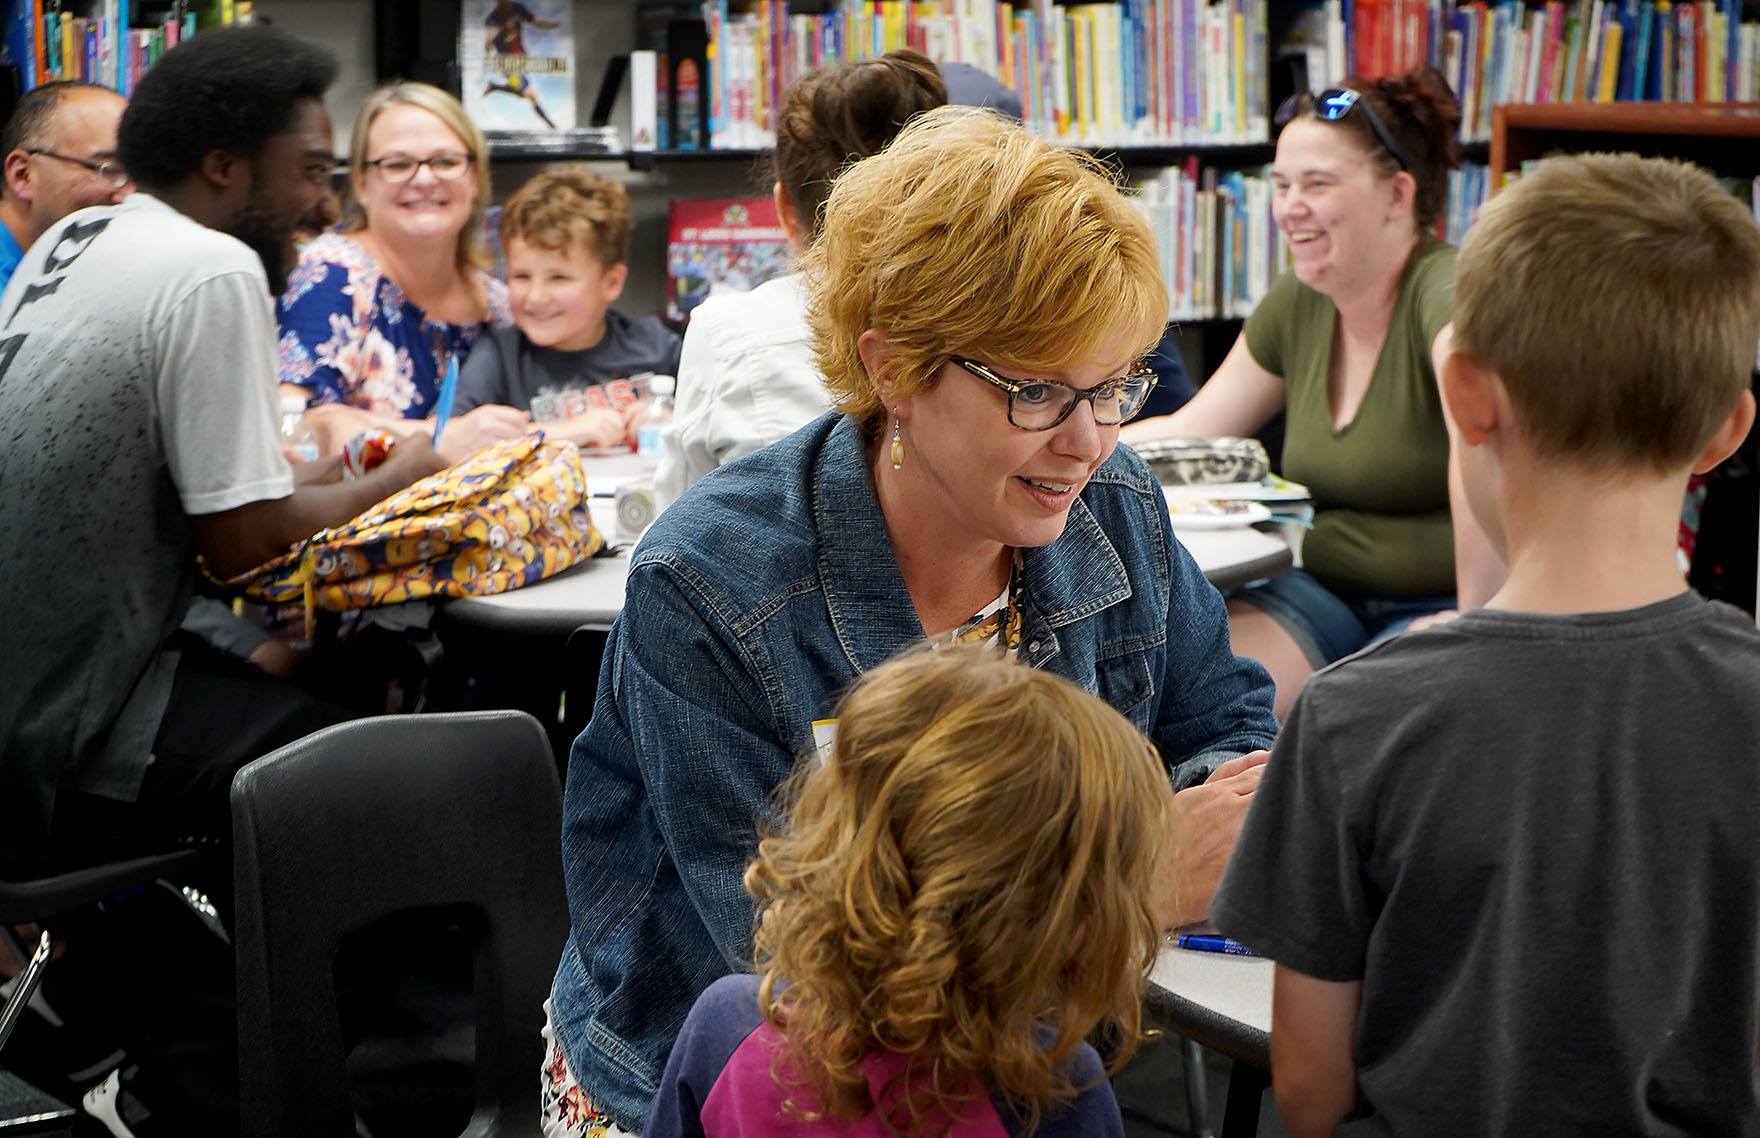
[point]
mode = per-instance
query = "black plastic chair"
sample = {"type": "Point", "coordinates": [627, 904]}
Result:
{"type": "Point", "coordinates": [369, 819]}
{"type": "Point", "coordinates": [27, 900]}
{"type": "Point", "coordinates": [28, 896]}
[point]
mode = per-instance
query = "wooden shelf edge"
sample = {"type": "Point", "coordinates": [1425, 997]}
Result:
{"type": "Point", "coordinates": [1522, 131]}
{"type": "Point", "coordinates": [1733, 120]}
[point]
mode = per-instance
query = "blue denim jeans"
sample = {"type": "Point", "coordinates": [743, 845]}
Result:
{"type": "Point", "coordinates": [1330, 626]}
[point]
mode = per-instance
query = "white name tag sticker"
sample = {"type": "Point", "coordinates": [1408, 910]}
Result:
{"type": "Point", "coordinates": [824, 738]}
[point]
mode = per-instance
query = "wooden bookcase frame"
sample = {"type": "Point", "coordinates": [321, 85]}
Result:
{"type": "Point", "coordinates": [1718, 136]}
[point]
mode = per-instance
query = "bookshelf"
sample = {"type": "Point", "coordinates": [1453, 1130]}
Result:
{"type": "Point", "coordinates": [1496, 47]}
{"type": "Point", "coordinates": [1186, 73]}
{"type": "Point", "coordinates": [111, 42]}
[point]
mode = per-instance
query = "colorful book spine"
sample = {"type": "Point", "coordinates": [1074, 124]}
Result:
{"type": "Point", "coordinates": [1687, 41]}
{"type": "Point", "coordinates": [40, 45]}
{"type": "Point", "coordinates": [1641, 51]}
{"type": "Point", "coordinates": [1610, 54]}
{"type": "Point", "coordinates": [1732, 48]}
{"type": "Point", "coordinates": [1666, 23]}
{"type": "Point", "coordinates": [1626, 20]}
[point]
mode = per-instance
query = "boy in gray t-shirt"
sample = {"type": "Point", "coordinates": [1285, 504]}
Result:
{"type": "Point", "coordinates": [1508, 867]}
{"type": "Point", "coordinates": [570, 357]}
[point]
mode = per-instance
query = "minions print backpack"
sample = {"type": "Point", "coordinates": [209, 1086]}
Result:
{"type": "Point", "coordinates": [513, 513]}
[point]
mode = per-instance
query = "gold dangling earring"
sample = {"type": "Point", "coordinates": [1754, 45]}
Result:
{"type": "Point", "coordinates": [897, 448]}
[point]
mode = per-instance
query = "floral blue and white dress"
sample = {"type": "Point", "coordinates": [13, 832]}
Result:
{"type": "Point", "coordinates": [350, 335]}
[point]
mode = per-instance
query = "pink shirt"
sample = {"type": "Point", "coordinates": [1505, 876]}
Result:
{"type": "Point", "coordinates": [718, 1084]}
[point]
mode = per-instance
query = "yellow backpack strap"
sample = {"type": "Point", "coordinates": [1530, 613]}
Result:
{"type": "Point", "coordinates": [308, 562]}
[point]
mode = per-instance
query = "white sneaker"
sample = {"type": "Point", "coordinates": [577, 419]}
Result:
{"type": "Point", "coordinates": [100, 1103]}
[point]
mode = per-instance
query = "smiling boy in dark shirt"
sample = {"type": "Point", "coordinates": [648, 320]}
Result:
{"type": "Point", "coordinates": [570, 357]}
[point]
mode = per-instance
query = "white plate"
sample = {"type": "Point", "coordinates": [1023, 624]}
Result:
{"type": "Point", "coordinates": [1240, 515]}
{"type": "Point", "coordinates": [1272, 489]}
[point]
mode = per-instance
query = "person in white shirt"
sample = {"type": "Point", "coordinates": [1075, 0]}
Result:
{"type": "Point", "coordinates": [746, 376]}
{"type": "Point", "coordinates": [137, 385]}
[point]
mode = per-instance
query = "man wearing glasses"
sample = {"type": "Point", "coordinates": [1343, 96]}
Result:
{"type": "Point", "coordinates": [60, 155]}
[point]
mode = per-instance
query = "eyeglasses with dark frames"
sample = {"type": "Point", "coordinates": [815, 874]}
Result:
{"type": "Point", "coordinates": [1041, 404]}
{"type": "Point", "coordinates": [400, 168]}
{"type": "Point", "coordinates": [111, 172]}
{"type": "Point", "coordinates": [1332, 105]}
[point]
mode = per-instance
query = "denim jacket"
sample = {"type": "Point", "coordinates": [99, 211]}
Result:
{"type": "Point", "coordinates": [752, 604]}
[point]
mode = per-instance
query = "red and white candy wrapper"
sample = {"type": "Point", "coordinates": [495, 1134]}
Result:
{"type": "Point", "coordinates": [365, 451]}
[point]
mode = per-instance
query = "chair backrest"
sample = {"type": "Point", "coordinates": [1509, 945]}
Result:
{"type": "Point", "coordinates": [28, 896]}
{"type": "Point", "coordinates": [376, 817]}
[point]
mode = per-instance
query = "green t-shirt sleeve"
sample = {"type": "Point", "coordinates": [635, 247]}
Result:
{"type": "Point", "coordinates": [1432, 288]}
{"type": "Point", "coordinates": [1268, 328]}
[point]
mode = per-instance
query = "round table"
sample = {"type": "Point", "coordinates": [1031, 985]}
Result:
{"type": "Point", "coordinates": [542, 620]}
{"type": "Point", "coordinates": [1224, 1003]}
{"type": "Point", "coordinates": [591, 594]}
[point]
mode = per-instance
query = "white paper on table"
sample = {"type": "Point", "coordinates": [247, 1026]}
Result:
{"type": "Point", "coordinates": [1271, 490]}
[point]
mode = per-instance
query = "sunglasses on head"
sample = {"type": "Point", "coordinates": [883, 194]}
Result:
{"type": "Point", "coordinates": [1332, 105]}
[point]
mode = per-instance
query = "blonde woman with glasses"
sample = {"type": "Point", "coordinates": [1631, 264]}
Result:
{"type": "Point", "coordinates": [374, 313]}
{"type": "Point", "coordinates": [979, 304]}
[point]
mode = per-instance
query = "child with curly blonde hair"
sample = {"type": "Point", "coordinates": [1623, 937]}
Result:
{"type": "Point", "coordinates": [964, 892]}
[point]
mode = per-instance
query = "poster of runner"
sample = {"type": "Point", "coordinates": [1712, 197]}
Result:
{"type": "Point", "coordinates": [517, 58]}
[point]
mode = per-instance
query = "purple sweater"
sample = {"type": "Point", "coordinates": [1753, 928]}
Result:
{"type": "Point", "coordinates": [718, 1084]}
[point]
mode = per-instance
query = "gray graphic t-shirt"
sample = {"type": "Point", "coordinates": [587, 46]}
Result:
{"type": "Point", "coordinates": [137, 388]}
{"type": "Point", "coordinates": [507, 368]}
{"type": "Point", "coordinates": [1531, 838]}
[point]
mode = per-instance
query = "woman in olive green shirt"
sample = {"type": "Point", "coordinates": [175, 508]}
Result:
{"type": "Point", "coordinates": [1347, 342]}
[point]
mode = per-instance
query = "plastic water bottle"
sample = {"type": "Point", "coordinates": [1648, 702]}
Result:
{"type": "Point", "coordinates": [298, 439]}
{"type": "Point", "coordinates": [654, 420]}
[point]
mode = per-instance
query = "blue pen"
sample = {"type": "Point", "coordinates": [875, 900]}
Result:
{"type": "Point", "coordinates": [1203, 942]}
{"type": "Point", "coordinates": [443, 405]}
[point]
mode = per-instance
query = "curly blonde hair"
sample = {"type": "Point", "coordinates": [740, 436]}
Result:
{"type": "Point", "coordinates": [970, 236]}
{"type": "Point", "coordinates": [969, 881]}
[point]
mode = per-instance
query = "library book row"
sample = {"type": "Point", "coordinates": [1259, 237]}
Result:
{"type": "Point", "coordinates": [1191, 73]}
{"type": "Point", "coordinates": [1138, 73]}
{"type": "Point", "coordinates": [1599, 51]}
{"type": "Point", "coordinates": [112, 42]}
{"type": "Point", "coordinates": [1220, 249]}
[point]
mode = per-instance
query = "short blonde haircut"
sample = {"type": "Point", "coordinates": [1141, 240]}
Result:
{"type": "Point", "coordinates": [449, 111]}
{"type": "Point", "coordinates": [968, 880]}
{"type": "Point", "coordinates": [970, 236]}
{"type": "Point", "coordinates": [567, 207]}
{"type": "Point", "coordinates": [1618, 299]}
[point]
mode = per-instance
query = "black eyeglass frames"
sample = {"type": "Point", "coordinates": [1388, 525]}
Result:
{"type": "Point", "coordinates": [111, 172]}
{"type": "Point", "coordinates": [1041, 404]}
{"type": "Point", "coordinates": [1332, 105]}
{"type": "Point", "coordinates": [400, 168]}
